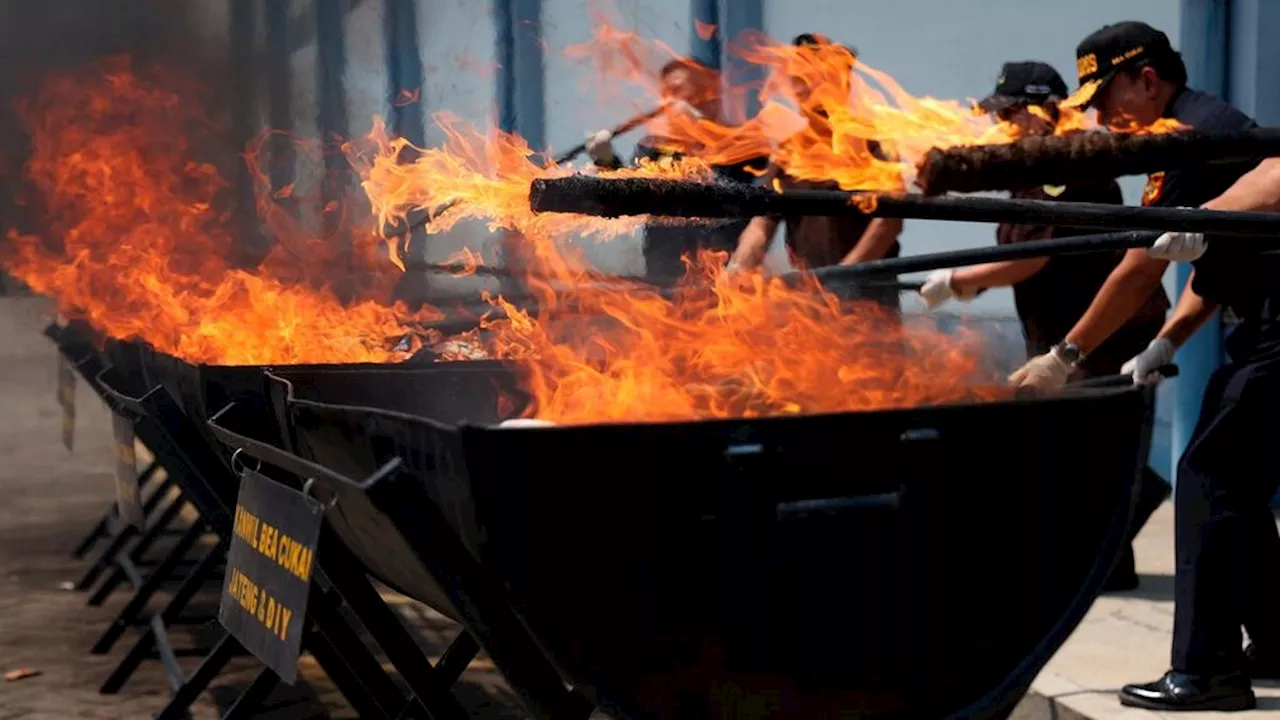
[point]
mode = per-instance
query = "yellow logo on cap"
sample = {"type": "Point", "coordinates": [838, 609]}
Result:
{"type": "Point", "coordinates": [1121, 58]}
{"type": "Point", "coordinates": [1087, 65]}
{"type": "Point", "coordinates": [1155, 184]}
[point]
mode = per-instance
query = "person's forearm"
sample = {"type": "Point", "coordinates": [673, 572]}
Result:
{"type": "Point", "coordinates": [1256, 190]}
{"type": "Point", "coordinates": [1188, 315]}
{"type": "Point", "coordinates": [753, 244]}
{"type": "Point", "coordinates": [1124, 292]}
{"type": "Point", "coordinates": [875, 241]}
{"type": "Point", "coordinates": [996, 274]}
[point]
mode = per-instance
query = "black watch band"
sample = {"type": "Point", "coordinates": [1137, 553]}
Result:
{"type": "Point", "coordinates": [1070, 353]}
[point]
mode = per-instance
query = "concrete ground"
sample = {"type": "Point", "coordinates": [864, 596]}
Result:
{"type": "Point", "coordinates": [1124, 639]}
{"type": "Point", "coordinates": [51, 498]}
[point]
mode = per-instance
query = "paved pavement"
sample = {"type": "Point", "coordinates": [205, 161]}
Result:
{"type": "Point", "coordinates": [1124, 639]}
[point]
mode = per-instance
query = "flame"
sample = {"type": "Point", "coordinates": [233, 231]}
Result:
{"type": "Point", "coordinates": [719, 346]}
{"type": "Point", "coordinates": [819, 106]}
{"type": "Point", "coordinates": [144, 243]}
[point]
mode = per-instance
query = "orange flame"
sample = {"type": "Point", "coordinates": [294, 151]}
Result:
{"type": "Point", "coordinates": [144, 249]}
{"type": "Point", "coordinates": [718, 347]}
{"type": "Point", "coordinates": [819, 107]}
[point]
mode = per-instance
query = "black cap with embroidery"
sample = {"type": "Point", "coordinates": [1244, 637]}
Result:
{"type": "Point", "coordinates": [1111, 49]}
{"type": "Point", "coordinates": [815, 40]}
{"type": "Point", "coordinates": [1027, 82]}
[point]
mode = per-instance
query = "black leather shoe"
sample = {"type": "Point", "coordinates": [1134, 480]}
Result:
{"type": "Point", "coordinates": [1180, 691]}
{"type": "Point", "coordinates": [1261, 666]}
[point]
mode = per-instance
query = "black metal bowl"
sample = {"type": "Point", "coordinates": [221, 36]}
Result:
{"type": "Point", "coordinates": [909, 563]}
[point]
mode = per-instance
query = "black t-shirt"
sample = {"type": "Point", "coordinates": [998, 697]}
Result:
{"type": "Point", "coordinates": [1050, 302]}
{"type": "Point", "coordinates": [1232, 271]}
{"type": "Point", "coordinates": [815, 241]}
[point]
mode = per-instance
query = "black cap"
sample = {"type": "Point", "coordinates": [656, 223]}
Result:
{"type": "Point", "coordinates": [1028, 82]}
{"type": "Point", "coordinates": [815, 40]}
{"type": "Point", "coordinates": [1113, 48]}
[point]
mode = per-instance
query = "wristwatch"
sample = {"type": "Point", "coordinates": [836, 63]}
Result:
{"type": "Point", "coordinates": [1069, 353]}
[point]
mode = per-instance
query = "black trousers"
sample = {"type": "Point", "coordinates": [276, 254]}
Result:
{"type": "Point", "coordinates": [1228, 550]}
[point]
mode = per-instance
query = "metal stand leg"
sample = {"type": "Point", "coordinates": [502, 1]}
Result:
{"type": "Point", "coordinates": [387, 630]}
{"type": "Point", "coordinates": [99, 531]}
{"type": "Point", "coordinates": [253, 696]}
{"type": "Point", "coordinates": [148, 641]}
{"type": "Point", "coordinates": [351, 682]}
{"type": "Point", "coordinates": [179, 705]}
{"type": "Point", "coordinates": [107, 558]}
{"type": "Point", "coordinates": [139, 549]}
{"type": "Point", "coordinates": [102, 528]}
{"type": "Point", "coordinates": [143, 595]}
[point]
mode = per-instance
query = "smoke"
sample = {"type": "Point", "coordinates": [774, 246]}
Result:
{"type": "Point", "coordinates": [50, 37]}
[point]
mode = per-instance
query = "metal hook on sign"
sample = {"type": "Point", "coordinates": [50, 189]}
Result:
{"type": "Point", "coordinates": [238, 466]}
{"type": "Point", "coordinates": [307, 493]}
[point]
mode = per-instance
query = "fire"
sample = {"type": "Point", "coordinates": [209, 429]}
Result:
{"type": "Point", "coordinates": [717, 347]}
{"type": "Point", "coordinates": [140, 244]}
{"type": "Point", "coordinates": [819, 107]}
{"type": "Point", "coordinates": [720, 346]}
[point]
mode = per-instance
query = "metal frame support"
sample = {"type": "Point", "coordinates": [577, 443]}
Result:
{"type": "Point", "coordinates": [706, 19]}
{"type": "Point", "coordinates": [331, 116]}
{"type": "Point", "coordinates": [742, 79]}
{"type": "Point", "coordinates": [242, 30]}
{"type": "Point", "coordinates": [521, 97]}
{"type": "Point", "coordinates": [405, 75]}
{"type": "Point", "coordinates": [520, 77]}
{"type": "Point", "coordinates": [279, 91]}
{"type": "Point", "coordinates": [404, 68]}
{"type": "Point", "coordinates": [1205, 44]}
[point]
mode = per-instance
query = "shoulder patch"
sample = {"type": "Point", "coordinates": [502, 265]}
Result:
{"type": "Point", "coordinates": [1155, 184]}
{"type": "Point", "coordinates": [1054, 190]}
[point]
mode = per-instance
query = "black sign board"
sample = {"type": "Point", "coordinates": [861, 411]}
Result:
{"type": "Point", "coordinates": [67, 399]}
{"type": "Point", "coordinates": [128, 495]}
{"type": "Point", "coordinates": [273, 550]}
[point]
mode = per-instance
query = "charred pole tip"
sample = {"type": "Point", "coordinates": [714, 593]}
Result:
{"type": "Point", "coordinates": [1085, 157]}
{"type": "Point", "coordinates": [622, 197]}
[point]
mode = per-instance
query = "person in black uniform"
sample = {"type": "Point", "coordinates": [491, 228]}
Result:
{"type": "Point", "coordinates": [814, 241]}
{"type": "Point", "coordinates": [1227, 544]}
{"type": "Point", "coordinates": [1051, 293]}
{"type": "Point", "coordinates": [697, 88]}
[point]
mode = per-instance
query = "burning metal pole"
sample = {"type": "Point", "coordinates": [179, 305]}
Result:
{"type": "Point", "coordinates": [643, 196]}
{"type": "Point", "coordinates": [1057, 160]}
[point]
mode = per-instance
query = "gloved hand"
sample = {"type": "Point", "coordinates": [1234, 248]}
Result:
{"type": "Point", "coordinates": [680, 106]}
{"type": "Point", "coordinates": [937, 289]}
{"type": "Point", "coordinates": [600, 147]}
{"type": "Point", "coordinates": [1143, 365]}
{"type": "Point", "coordinates": [1043, 372]}
{"type": "Point", "coordinates": [1179, 247]}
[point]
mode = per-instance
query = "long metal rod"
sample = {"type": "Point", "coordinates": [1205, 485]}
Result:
{"type": "Point", "coordinates": [621, 197]}
{"type": "Point", "coordinates": [959, 258]}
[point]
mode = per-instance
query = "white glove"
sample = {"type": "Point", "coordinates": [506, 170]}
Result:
{"type": "Point", "coordinates": [680, 106]}
{"type": "Point", "coordinates": [1043, 372]}
{"type": "Point", "coordinates": [600, 147]}
{"type": "Point", "coordinates": [1143, 365]}
{"type": "Point", "coordinates": [937, 289]}
{"type": "Point", "coordinates": [1179, 247]}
